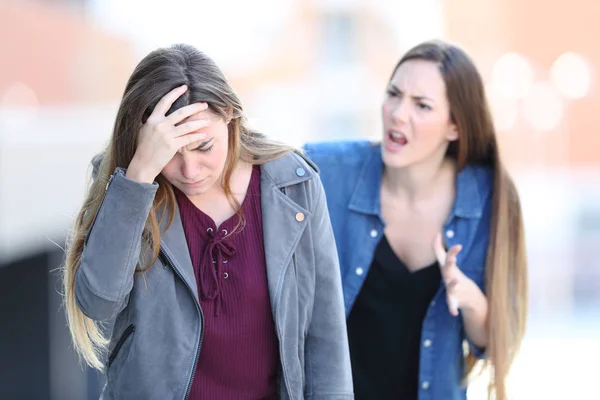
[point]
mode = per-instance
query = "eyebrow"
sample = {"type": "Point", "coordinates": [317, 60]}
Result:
{"type": "Point", "coordinates": [395, 89]}
{"type": "Point", "coordinates": [201, 145]}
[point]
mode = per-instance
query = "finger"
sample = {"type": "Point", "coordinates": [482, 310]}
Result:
{"type": "Point", "coordinates": [452, 305]}
{"type": "Point", "coordinates": [191, 126]}
{"type": "Point", "coordinates": [438, 248]}
{"type": "Point", "coordinates": [451, 284]}
{"type": "Point", "coordinates": [190, 138]}
{"type": "Point", "coordinates": [451, 256]}
{"type": "Point", "coordinates": [168, 99]}
{"type": "Point", "coordinates": [187, 111]}
{"type": "Point", "coordinates": [453, 252]}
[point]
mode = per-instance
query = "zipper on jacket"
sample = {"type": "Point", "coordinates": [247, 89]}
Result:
{"type": "Point", "coordinates": [167, 260]}
{"type": "Point", "coordinates": [109, 181]}
{"type": "Point", "coordinates": [126, 333]}
{"type": "Point", "coordinates": [99, 208]}
{"type": "Point", "coordinates": [294, 263]}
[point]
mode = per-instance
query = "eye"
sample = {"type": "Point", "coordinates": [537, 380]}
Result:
{"type": "Point", "coordinates": [391, 93]}
{"type": "Point", "coordinates": [206, 150]}
{"type": "Point", "coordinates": [424, 106]}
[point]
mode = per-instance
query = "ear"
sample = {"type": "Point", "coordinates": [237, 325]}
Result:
{"type": "Point", "coordinates": [452, 134]}
{"type": "Point", "coordinates": [229, 116]}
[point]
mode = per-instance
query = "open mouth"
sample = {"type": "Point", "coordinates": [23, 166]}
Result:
{"type": "Point", "coordinates": [397, 138]}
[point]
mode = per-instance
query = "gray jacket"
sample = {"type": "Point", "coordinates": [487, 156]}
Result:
{"type": "Point", "coordinates": [155, 319]}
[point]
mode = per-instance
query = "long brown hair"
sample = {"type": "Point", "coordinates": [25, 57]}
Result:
{"type": "Point", "coordinates": [158, 73]}
{"type": "Point", "coordinates": [506, 264]}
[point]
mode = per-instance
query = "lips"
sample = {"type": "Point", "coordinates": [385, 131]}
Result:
{"type": "Point", "coordinates": [197, 183]}
{"type": "Point", "coordinates": [397, 137]}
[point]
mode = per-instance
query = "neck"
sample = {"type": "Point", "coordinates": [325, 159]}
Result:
{"type": "Point", "coordinates": [238, 184]}
{"type": "Point", "coordinates": [419, 181]}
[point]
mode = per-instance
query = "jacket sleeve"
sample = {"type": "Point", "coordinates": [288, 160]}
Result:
{"type": "Point", "coordinates": [112, 248]}
{"type": "Point", "coordinates": [327, 354]}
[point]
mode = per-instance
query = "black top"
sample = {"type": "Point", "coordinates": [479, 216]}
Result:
{"type": "Point", "coordinates": [384, 327]}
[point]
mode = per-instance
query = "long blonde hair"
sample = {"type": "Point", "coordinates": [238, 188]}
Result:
{"type": "Point", "coordinates": [506, 264]}
{"type": "Point", "coordinates": [157, 74]}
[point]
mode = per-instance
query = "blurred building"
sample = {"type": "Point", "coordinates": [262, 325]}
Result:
{"type": "Point", "coordinates": [59, 83]}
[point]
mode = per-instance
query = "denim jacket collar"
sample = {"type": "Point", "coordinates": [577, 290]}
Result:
{"type": "Point", "coordinates": [469, 200]}
{"type": "Point", "coordinates": [366, 197]}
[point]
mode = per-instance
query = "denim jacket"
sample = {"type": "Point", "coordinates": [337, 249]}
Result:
{"type": "Point", "coordinates": [351, 173]}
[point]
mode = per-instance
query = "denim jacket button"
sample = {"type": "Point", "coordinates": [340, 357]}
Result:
{"type": "Point", "coordinates": [425, 385]}
{"type": "Point", "coordinates": [300, 217]}
{"type": "Point", "coordinates": [373, 233]}
{"type": "Point", "coordinates": [300, 172]}
{"type": "Point", "coordinates": [359, 271]}
{"type": "Point", "coordinates": [449, 233]}
{"type": "Point", "coordinates": [427, 343]}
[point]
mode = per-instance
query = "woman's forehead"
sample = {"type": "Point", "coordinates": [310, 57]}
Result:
{"type": "Point", "coordinates": [419, 78]}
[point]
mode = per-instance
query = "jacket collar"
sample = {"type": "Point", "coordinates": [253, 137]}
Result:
{"type": "Point", "coordinates": [174, 244]}
{"type": "Point", "coordinates": [469, 198]}
{"type": "Point", "coordinates": [366, 197]}
{"type": "Point", "coordinates": [282, 224]}
{"type": "Point", "coordinates": [289, 170]}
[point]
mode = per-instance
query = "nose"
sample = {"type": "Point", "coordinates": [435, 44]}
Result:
{"type": "Point", "coordinates": [400, 111]}
{"type": "Point", "coordinates": [189, 168]}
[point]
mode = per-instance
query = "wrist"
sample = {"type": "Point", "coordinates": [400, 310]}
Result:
{"type": "Point", "coordinates": [139, 174]}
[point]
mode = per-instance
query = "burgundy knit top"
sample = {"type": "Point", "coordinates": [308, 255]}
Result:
{"type": "Point", "coordinates": [239, 355]}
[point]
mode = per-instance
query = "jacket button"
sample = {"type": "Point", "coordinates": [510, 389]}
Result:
{"type": "Point", "coordinates": [373, 233]}
{"type": "Point", "coordinates": [427, 343]}
{"type": "Point", "coordinates": [359, 271]}
{"type": "Point", "coordinates": [449, 233]}
{"type": "Point", "coordinates": [425, 385]}
{"type": "Point", "coordinates": [300, 217]}
{"type": "Point", "coordinates": [300, 171]}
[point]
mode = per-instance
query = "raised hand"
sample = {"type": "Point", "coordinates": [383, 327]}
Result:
{"type": "Point", "coordinates": [461, 291]}
{"type": "Point", "coordinates": [161, 136]}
